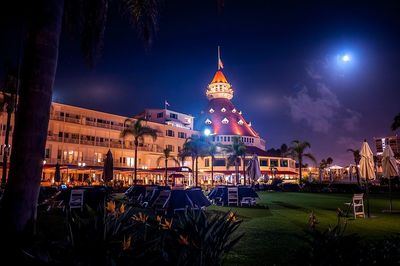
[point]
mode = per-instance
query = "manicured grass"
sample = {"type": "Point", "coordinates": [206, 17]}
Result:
{"type": "Point", "coordinates": [272, 235]}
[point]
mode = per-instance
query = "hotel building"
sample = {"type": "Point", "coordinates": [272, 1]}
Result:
{"type": "Point", "coordinates": [78, 140]}
{"type": "Point", "coordinates": [222, 121]}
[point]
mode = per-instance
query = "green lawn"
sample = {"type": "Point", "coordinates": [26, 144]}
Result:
{"type": "Point", "coordinates": [272, 234]}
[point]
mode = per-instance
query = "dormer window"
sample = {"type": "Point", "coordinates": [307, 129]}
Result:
{"type": "Point", "coordinates": [240, 122]}
{"type": "Point", "coordinates": [240, 112]}
{"type": "Point", "coordinates": [225, 121]}
{"type": "Point", "coordinates": [223, 110]}
{"type": "Point", "coordinates": [208, 121]}
{"type": "Point", "coordinates": [234, 110]}
{"type": "Point", "coordinates": [211, 111]}
{"type": "Point", "coordinates": [249, 124]}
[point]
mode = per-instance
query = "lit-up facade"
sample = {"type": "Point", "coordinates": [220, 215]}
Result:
{"type": "Point", "coordinates": [222, 122]}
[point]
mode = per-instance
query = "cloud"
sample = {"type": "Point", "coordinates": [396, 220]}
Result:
{"type": "Point", "coordinates": [318, 106]}
{"type": "Point", "coordinates": [352, 120]}
{"type": "Point", "coordinates": [349, 142]}
{"type": "Point", "coordinates": [317, 111]}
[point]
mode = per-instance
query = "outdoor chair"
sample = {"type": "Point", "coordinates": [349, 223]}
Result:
{"type": "Point", "coordinates": [357, 204]}
{"type": "Point", "coordinates": [233, 196]}
{"type": "Point", "coordinates": [249, 201]}
{"type": "Point", "coordinates": [160, 204]}
{"type": "Point", "coordinates": [76, 199]}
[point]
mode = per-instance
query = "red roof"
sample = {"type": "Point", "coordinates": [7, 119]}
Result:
{"type": "Point", "coordinates": [223, 108]}
{"type": "Point", "coordinates": [219, 77]}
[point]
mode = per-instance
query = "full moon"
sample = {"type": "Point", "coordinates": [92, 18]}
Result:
{"type": "Point", "coordinates": [346, 58]}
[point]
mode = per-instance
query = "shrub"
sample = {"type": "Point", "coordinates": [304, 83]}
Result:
{"type": "Point", "coordinates": [119, 235]}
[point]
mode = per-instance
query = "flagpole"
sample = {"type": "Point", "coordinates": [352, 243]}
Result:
{"type": "Point", "coordinates": [219, 58]}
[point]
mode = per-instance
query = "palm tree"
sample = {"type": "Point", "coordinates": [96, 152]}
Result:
{"type": "Point", "coordinates": [8, 102]}
{"type": "Point", "coordinates": [138, 132]}
{"type": "Point", "coordinates": [297, 150]}
{"type": "Point", "coordinates": [43, 22]}
{"type": "Point", "coordinates": [212, 151]}
{"type": "Point", "coordinates": [329, 161]}
{"type": "Point", "coordinates": [167, 156]}
{"type": "Point", "coordinates": [196, 147]}
{"type": "Point", "coordinates": [322, 165]}
{"type": "Point", "coordinates": [396, 122]}
{"type": "Point", "coordinates": [357, 158]}
{"type": "Point", "coordinates": [235, 151]}
{"type": "Point", "coordinates": [284, 150]}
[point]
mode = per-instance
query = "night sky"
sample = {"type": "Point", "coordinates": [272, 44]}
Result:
{"type": "Point", "coordinates": [280, 58]}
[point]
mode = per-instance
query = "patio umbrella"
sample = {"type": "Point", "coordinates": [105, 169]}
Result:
{"type": "Point", "coordinates": [253, 169]}
{"type": "Point", "coordinates": [390, 169]}
{"type": "Point", "coordinates": [57, 173]}
{"type": "Point", "coordinates": [108, 167]}
{"type": "Point", "coordinates": [367, 169]}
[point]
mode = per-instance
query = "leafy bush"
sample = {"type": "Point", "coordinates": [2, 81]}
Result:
{"type": "Point", "coordinates": [333, 247]}
{"type": "Point", "coordinates": [121, 235]}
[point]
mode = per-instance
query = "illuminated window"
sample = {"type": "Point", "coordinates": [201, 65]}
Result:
{"type": "Point", "coordinates": [240, 122]}
{"type": "Point", "coordinates": [211, 110]}
{"type": "Point", "coordinates": [240, 112]}
{"type": "Point", "coordinates": [208, 121]}
{"type": "Point", "coordinates": [234, 110]}
{"type": "Point", "coordinates": [225, 121]}
{"type": "Point", "coordinates": [223, 110]}
{"type": "Point", "coordinates": [249, 124]}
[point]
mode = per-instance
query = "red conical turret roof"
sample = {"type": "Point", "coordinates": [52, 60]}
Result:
{"type": "Point", "coordinates": [219, 77]}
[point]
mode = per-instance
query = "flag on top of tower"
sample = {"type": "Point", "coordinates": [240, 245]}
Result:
{"type": "Point", "coordinates": [166, 104]}
{"type": "Point", "coordinates": [220, 64]}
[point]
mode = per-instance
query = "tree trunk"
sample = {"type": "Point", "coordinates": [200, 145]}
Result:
{"type": "Point", "coordinates": [166, 172]}
{"type": "Point", "coordinates": [32, 118]}
{"type": "Point", "coordinates": [135, 169]}
{"type": "Point", "coordinates": [237, 177]}
{"type": "Point", "coordinates": [197, 171]}
{"type": "Point", "coordinates": [358, 175]}
{"type": "Point", "coordinates": [244, 170]}
{"type": "Point", "coordinates": [6, 149]}
{"type": "Point", "coordinates": [212, 170]}
{"type": "Point", "coordinates": [300, 170]}
{"type": "Point", "coordinates": [193, 175]}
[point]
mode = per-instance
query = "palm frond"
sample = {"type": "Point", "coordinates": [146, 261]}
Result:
{"type": "Point", "coordinates": [93, 24]}
{"type": "Point", "coordinates": [310, 156]}
{"type": "Point", "coordinates": [143, 14]}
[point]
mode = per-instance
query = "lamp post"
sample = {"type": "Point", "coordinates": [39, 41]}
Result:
{"type": "Point", "coordinates": [81, 165]}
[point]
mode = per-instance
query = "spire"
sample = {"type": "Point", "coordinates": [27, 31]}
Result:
{"type": "Point", "coordinates": [220, 64]}
{"type": "Point", "coordinates": [219, 86]}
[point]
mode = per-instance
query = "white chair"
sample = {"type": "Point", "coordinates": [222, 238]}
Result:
{"type": "Point", "coordinates": [233, 197]}
{"type": "Point", "coordinates": [357, 204]}
{"type": "Point", "coordinates": [76, 199]}
{"type": "Point", "coordinates": [160, 204]}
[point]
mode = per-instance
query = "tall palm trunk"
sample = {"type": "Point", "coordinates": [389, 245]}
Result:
{"type": "Point", "coordinates": [6, 149]}
{"type": "Point", "coordinates": [357, 174]}
{"type": "Point", "coordinates": [244, 169]}
{"type": "Point", "coordinates": [135, 170]}
{"type": "Point", "coordinates": [197, 171]}
{"type": "Point", "coordinates": [237, 177]}
{"type": "Point", "coordinates": [166, 172]}
{"type": "Point", "coordinates": [212, 170]}
{"type": "Point", "coordinates": [300, 170]}
{"type": "Point", "coordinates": [193, 170]}
{"type": "Point", "coordinates": [32, 117]}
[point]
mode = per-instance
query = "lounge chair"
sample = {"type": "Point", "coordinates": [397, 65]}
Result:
{"type": "Point", "coordinates": [357, 204]}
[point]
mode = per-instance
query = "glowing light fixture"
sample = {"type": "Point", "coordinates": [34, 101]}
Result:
{"type": "Point", "coordinates": [207, 132]}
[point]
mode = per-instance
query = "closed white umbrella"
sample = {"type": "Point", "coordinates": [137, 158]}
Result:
{"type": "Point", "coordinates": [253, 169]}
{"type": "Point", "coordinates": [367, 168]}
{"type": "Point", "coordinates": [390, 169]}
